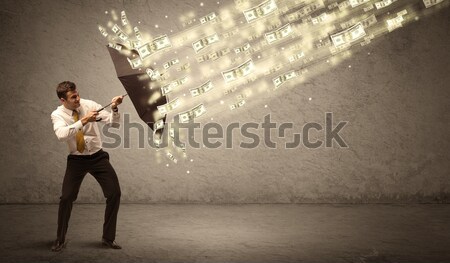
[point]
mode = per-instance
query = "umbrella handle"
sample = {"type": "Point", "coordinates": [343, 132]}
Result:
{"type": "Point", "coordinates": [99, 110]}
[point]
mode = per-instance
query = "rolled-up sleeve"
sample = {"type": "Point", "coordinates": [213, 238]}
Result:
{"type": "Point", "coordinates": [112, 118]}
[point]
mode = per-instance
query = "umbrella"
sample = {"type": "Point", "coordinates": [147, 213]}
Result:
{"type": "Point", "coordinates": [137, 84]}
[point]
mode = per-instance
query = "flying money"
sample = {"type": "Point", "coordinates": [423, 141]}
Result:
{"type": "Point", "coordinates": [153, 74]}
{"type": "Point", "coordinates": [137, 33]}
{"type": "Point", "coordinates": [164, 109]}
{"type": "Point", "coordinates": [242, 49]}
{"type": "Point", "coordinates": [171, 63]}
{"type": "Point", "coordinates": [116, 29]}
{"type": "Point", "coordinates": [369, 21]}
{"type": "Point", "coordinates": [319, 19]}
{"type": "Point", "coordinates": [184, 67]}
{"type": "Point", "coordinates": [238, 104]}
{"type": "Point", "coordinates": [296, 56]}
{"type": "Point", "coordinates": [124, 19]}
{"type": "Point", "coordinates": [283, 78]}
{"type": "Point", "coordinates": [207, 18]}
{"type": "Point", "coordinates": [396, 22]}
{"type": "Point", "coordinates": [172, 85]}
{"type": "Point", "coordinates": [115, 46]}
{"type": "Point", "coordinates": [156, 45]}
{"type": "Point", "coordinates": [102, 31]}
{"type": "Point", "coordinates": [218, 54]}
{"type": "Point", "coordinates": [158, 125]}
{"type": "Point", "coordinates": [430, 3]}
{"type": "Point", "coordinates": [355, 3]}
{"type": "Point", "coordinates": [239, 71]}
{"type": "Point", "coordinates": [348, 36]}
{"type": "Point", "coordinates": [205, 42]}
{"type": "Point", "coordinates": [278, 34]}
{"type": "Point", "coordinates": [171, 157]}
{"type": "Point", "coordinates": [262, 10]}
{"type": "Point", "coordinates": [384, 3]}
{"type": "Point", "coordinates": [304, 11]}
{"type": "Point", "coordinates": [191, 114]}
{"type": "Point", "coordinates": [135, 63]}
{"type": "Point", "coordinates": [202, 89]}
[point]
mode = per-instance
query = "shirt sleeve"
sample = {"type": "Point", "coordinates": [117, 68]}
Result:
{"type": "Point", "coordinates": [111, 118]}
{"type": "Point", "coordinates": [62, 130]}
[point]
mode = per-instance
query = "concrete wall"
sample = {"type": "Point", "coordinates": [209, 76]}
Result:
{"type": "Point", "coordinates": [395, 97]}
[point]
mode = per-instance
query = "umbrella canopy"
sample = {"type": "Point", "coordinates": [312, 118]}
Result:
{"type": "Point", "coordinates": [144, 93]}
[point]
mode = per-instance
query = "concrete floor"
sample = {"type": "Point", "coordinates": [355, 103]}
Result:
{"type": "Point", "coordinates": [233, 233]}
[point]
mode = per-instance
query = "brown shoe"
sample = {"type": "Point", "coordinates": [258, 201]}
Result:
{"type": "Point", "coordinates": [58, 246]}
{"type": "Point", "coordinates": [110, 244]}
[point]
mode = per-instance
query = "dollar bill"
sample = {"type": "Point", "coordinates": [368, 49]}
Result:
{"type": "Point", "coordinates": [180, 145]}
{"type": "Point", "coordinates": [278, 34]}
{"type": "Point", "coordinates": [134, 43]}
{"type": "Point", "coordinates": [135, 63]}
{"type": "Point", "coordinates": [430, 3]}
{"type": "Point", "coordinates": [193, 113]}
{"type": "Point", "coordinates": [166, 89]}
{"type": "Point", "coordinates": [348, 23]}
{"type": "Point", "coordinates": [355, 3]}
{"type": "Point", "coordinates": [166, 108]}
{"type": "Point", "coordinates": [207, 86]}
{"type": "Point", "coordinates": [348, 36]}
{"type": "Point", "coordinates": [124, 19]}
{"type": "Point", "coordinates": [218, 54]}
{"type": "Point", "coordinates": [205, 42]}
{"type": "Point", "coordinates": [153, 74]}
{"type": "Point", "coordinates": [158, 125]}
{"type": "Point", "coordinates": [118, 31]}
{"type": "Point", "coordinates": [343, 5]}
{"type": "Point", "coordinates": [231, 33]}
{"type": "Point", "coordinates": [319, 19]}
{"type": "Point", "coordinates": [264, 9]}
{"type": "Point", "coordinates": [333, 5]}
{"type": "Point", "coordinates": [238, 104]}
{"type": "Point", "coordinates": [296, 56]}
{"type": "Point", "coordinates": [240, 71]}
{"type": "Point", "coordinates": [306, 10]}
{"type": "Point", "coordinates": [102, 31]}
{"type": "Point", "coordinates": [274, 69]}
{"type": "Point", "coordinates": [369, 21]}
{"type": "Point", "coordinates": [184, 67]}
{"type": "Point", "coordinates": [242, 49]}
{"type": "Point", "coordinates": [156, 45]}
{"type": "Point", "coordinates": [384, 3]}
{"type": "Point", "coordinates": [171, 63]}
{"type": "Point", "coordinates": [283, 78]}
{"type": "Point", "coordinates": [115, 46]}
{"type": "Point", "coordinates": [137, 33]}
{"type": "Point", "coordinates": [171, 157]}
{"type": "Point", "coordinates": [394, 23]}
{"type": "Point", "coordinates": [209, 17]}
{"type": "Point", "coordinates": [368, 8]}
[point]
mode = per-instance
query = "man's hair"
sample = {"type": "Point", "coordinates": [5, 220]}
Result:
{"type": "Point", "coordinates": [65, 87]}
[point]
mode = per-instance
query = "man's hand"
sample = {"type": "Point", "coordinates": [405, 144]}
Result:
{"type": "Point", "coordinates": [116, 101]}
{"type": "Point", "coordinates": [90, 117]}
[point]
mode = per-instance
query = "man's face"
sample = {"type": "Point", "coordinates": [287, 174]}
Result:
{"type": "Point", "coordinates": [72, 100]}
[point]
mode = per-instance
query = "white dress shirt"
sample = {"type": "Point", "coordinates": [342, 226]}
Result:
{"type": "Point", "coordinates": [66, 128]}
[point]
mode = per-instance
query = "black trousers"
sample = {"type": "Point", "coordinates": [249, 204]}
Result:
{"type": "Point", "coordinates": [77, 167]}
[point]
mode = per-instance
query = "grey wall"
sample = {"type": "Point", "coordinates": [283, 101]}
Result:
{"type": "Point", "coordinates": [395, 97]}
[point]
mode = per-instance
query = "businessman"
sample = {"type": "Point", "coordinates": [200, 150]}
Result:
{"type": "Point", "coordinates": [75, 122]}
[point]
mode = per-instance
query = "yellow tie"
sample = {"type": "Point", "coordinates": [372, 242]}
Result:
{"type": "Point", "coordinates": [79, 137]}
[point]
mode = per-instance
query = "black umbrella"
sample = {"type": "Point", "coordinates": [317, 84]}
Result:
{"type": "Point", "coordinates": [137, 84]}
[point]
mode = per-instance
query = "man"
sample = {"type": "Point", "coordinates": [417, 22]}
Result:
{"type": "Point", "coordinates": [75, 121]}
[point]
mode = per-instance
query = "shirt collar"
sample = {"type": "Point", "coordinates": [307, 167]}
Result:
{"type": "Point", "coordinates": [69, 112]}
